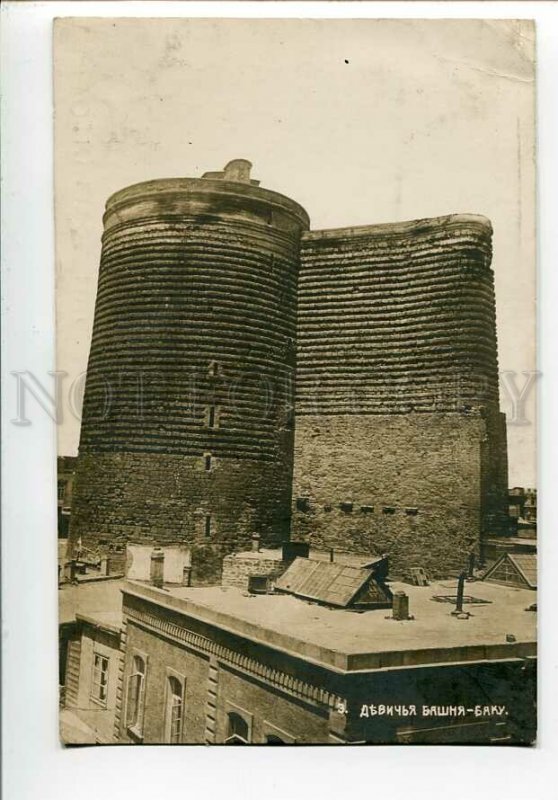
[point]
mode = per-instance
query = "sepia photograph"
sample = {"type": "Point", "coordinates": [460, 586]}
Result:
{"type": "Point", "coordinates": [295, 321]}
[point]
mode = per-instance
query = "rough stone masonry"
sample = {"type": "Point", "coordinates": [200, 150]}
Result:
{"type": "Point", "coordinates": [209, 291]}
{"type": "Point", "coordinates": [400, 445]}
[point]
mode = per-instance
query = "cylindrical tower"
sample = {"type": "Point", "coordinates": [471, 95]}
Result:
{"type": "Point", "coordinates": [187, 431]}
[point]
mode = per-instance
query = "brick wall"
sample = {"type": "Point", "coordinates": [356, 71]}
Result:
{"type": "Point", "coordinates": [494, 486]}
{"type": "Point", "coordinates": [397, 318]}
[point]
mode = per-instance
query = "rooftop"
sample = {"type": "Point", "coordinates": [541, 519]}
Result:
{"type": "Point", "coordinates": [347, 641]}
{"type": "Point", "coordinates": [107, 620]}
{"type": "Point", "coordinates": [92, 600]}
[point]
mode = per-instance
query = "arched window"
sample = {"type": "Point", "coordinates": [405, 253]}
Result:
{"type": "Point", "coordinates": [271, 734]}
{"type": "Point", "coordinates": [175, 709]}
{"type": "Point", "coordinates": [136, 694]}
{"type": "Point", "coordinates": [238, 731]}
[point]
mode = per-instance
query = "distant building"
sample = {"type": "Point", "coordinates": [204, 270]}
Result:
{"type": "Point", "coordinates": [66, 467]}
{"type": "Point", "coordinates": [522, 512]}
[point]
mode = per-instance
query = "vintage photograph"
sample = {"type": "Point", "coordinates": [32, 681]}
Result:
{"type": "Point", "coordinates": [295, 287]}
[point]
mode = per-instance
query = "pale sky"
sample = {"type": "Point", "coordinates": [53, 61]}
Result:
{"type": "Point", "coordinates": [360, 121]}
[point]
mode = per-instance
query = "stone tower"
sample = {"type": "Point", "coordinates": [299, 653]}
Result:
{"type": "Point", "coordinates": [187, 432]}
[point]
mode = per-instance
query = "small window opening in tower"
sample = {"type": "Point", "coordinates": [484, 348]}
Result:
{"type": "Point", "coordinates": [212, 416]}
{"type": "Point", "coordinates": [303, 504]}
{"type": "Point", "coordinates": [207, 526]}
{"type": "Point", "coordinates": [207, 459]}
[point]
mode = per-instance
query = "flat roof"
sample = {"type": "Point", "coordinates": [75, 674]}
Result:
{"type": "Point", "coordinates": [107, 620]}
{"type": "Point", "coordinates": [346, 640]}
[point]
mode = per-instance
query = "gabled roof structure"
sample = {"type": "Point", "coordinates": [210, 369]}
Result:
{"type": "Point", "coordinates": [514, 569]}
{"type": "Point", "coordinates": [336, 584]}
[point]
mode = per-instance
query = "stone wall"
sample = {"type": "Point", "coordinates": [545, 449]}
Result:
{"type": "Point", "coordinates": [268, 712]}
{"type": "Point", "coordinates": [400, 446]}
{"type": "Point", "coordinates": [238, 566]}
{"type": "Point", "coordinates": [494, 488]}
{"type": "Point", "coordinates": [406, 485]}
{"type": "Point", "coordinates": [145, 497]}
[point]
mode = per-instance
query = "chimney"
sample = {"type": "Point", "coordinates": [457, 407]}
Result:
{"type": "Point", "coordinates": [255, 542]}
{"type": "Point", "coordinates": [400, 607]}
{"type": "Point", "coordinates": [157, 567]}
{"type": "Point", "coordinates": [187, 576]}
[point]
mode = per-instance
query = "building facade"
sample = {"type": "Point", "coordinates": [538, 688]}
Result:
{"type": "Point", "coordinates": [91, 663]}
{"type": "Point", "coordinates": [212, 666]}
{"type": "Point", "coordinates": [522, 510]}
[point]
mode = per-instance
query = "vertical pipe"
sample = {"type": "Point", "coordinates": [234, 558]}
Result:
{"type": "Point", "coordinates": [460, 592]}
{"type": "Point", "coordinates": [157, 567]}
